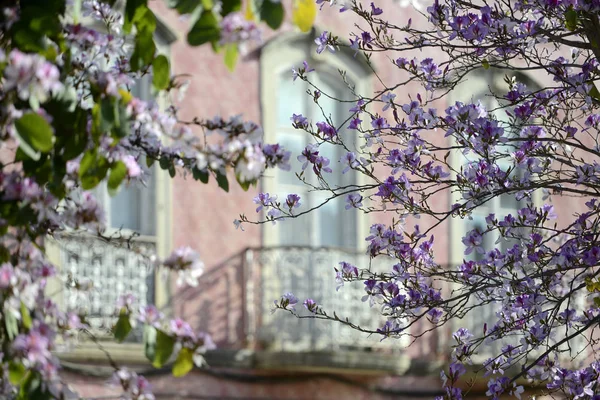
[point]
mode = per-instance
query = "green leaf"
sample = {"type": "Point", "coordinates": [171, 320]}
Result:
{"type": "Point", "coordinates": [231, 56]}
{"type": "Point", "coordinates": [107, 115]}
{"type": "Point", "coordinates": [36, 22]}
{"type": "Point", "coordinates": [272, 13]}
{"type": "Point", "coordinates": [184, 362]}
{"type": "Point", "coordinates": [222, 181]}
{"type": "Point", "coordinates": [229, 6]}
{"type": "Point", "coordinates": [207, 4]}
{"type": "Point", "coordinates": [25, 316]}
{"type": "Point", "coordinates": [92, 169]}
{"type": "Point", "coordinates": [205, 30]}
{"type": "Point", "coordinates": [250, 12]}
{"type": "Point", "coordinates": [245, 185]}
{"type": "Point", "coordinates": [31, 388]}
{"type": "Point", "coordinates": [594, 92]}
{"type": "Point", "coordinates": [144, 50]}
{"type": "Point", "coordinates": [123, 327]}
{"type": "Point", "coordinates": [10, 322]}
{"type": "Point", "coordinates": [185, 6]}
{"type": "Point", "coordinates": [304, 13]}
{"type": "Point", "coordinates": [162, 76]}
{"type": "Point", "coordinates": [149, 161]}
{"type": "Point", "coordinates": [121, 126]}
{"type": "Point", "coordinates": [200, 175]}
{"type": "Point", "coordinates": [27, 40]}
{"type": "Point", "coordinates": [149, 341]}
{"type": "Point", "coordinates": [571, 19]}
{"type": "Point", "coordinates": [118, 172]}
{"type": "Point", "coordinates": [77, 139]}
{"type": "Point", "coordinates": [164, 162]}
{"type": "Point", "coordinates": [130, 10]}
{"type": "Point", "coordinates": [145, 20]}
{"type": "Point", "coordinates": [35, 131]}
{"type": "Point", "coordinates": [485, 64]}
{"type": "Point", "coordinates": [163, 349]}
{"type": "Point", "coordinates": [16, 372]}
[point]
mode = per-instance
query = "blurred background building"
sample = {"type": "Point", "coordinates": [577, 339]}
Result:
{"type": "Point", "coordinates": [261, 355]}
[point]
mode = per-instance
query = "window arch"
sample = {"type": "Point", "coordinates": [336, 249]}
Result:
{"type": "Point", "coordinates": [487, 87]}
{"type": "Point", "coordinates": [332, 225]}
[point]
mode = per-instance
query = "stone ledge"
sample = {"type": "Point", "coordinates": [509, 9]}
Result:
{"type": "Point", "coordinates": [347, 362]}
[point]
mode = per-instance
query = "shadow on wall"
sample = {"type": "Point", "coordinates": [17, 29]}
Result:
{"type": "Point", "coordinates": [216, 305]}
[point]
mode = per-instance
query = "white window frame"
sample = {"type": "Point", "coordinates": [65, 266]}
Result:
{"type": "Point", "coordinates": [162, 237]}
{"type": "Point", "coordinates": [277, 59]}
{"type": "Point", "coordinates": [475, 84]}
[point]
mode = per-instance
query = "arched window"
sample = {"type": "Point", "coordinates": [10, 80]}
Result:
{"type": "Point", "coordinates": [114, 269]}
{"type": "Point", "coordinates": [300, 253]}
{"type": "Point", "coordinates": [488, 88]}
{"type": "Point", "coordinates": [331, 225]}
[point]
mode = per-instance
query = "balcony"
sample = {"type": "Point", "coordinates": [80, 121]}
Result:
{"type": "Point", "coordinates": [108, 270]}
{"type": "Point", "coordinates": [236, 301]}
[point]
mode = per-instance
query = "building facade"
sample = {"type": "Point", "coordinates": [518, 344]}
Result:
{"type": "Point", "coordinates": [260, 355]}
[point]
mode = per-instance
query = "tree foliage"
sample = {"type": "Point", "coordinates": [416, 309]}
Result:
{"type": "Point", "coordinates": [533, 144]}
{"type": "Point", "coordinates": [66, 106]}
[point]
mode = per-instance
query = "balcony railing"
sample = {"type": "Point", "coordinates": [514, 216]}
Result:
{"type": "Point", "coordinates": [111, 269]}
{"type": "Point", "coordinates": [235, 301]}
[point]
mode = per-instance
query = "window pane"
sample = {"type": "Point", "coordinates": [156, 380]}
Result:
{"type": "Point", "coordinates": [332, 152]}
{"type": "Point", "coordinates": [294, 142]}
{"type": "Point", "coordinates": [336, 226]}
{"type": "Point", "coordinates": [141, 88]}
{"type": "Point", "coordinates": [331, 225]}
{"type": "Point", "coordinates": [133, 207]}
{"type": "Point", "coordinates": [296, 231]}
{"type": "Point", "coordinates": [291, 99]}
{"type": "Point", "coordinates": [330, 106]}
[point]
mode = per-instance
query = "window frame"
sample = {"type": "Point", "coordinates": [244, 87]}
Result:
{"type": "Point", "coordinates": [162, 237]}
{"type": "Point", "coordinates": [277, 59]}
{"type": "Point", "coordinates": [479, 82]}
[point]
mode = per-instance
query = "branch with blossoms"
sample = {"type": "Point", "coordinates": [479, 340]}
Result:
{"type": "Point", "coordinates": [517, 142]}
{"type": "Point", "coordinates": [71, 125]}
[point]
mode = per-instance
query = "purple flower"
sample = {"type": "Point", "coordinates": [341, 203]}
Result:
{"type": "Point", "coordinates": [323, 43]}
{"type": "Point", "coordinates": [264, 200]}
{"type": "Point", "coordinates": [388, 99]}
{"type": "Point", "coordinates": [301, 71]}
{"type": "Point", "coordinates": [150, 315]}
{"type": "Point", "coordinates": [354, 123]}
{"type": "Point", "coordinates": [299, 121]}
{"type": "Point", "coordinates": [276, 155]}
{"type": "Point", "coordinates": [389, 328]}
{"type": "Point", "coordinates": [379, 123]}
{"type": "Point", "coordinates": [187, 263]}
{"type": "Point", "coordinates": [311, 305]}
{"type": "Point", "coordinates": [473, 241]}
{"type": "Point", "coordinates": [350, 161]}
{"type": "Point", "coordinates": [353, 200]}
{"type": "Point", "coordinates": [321, 164]}
{"type": "Point", "coordinates": [126, 302]}
{"type": "Point", "coordinates": [8, 277]}
{"type": "Point", "coordinates": [375, 10]}
{"type": "Point", "coordinates": [237, 29]}
{"type": "Point", "coordinates": [435, 314]}
{"type": "Point", "coordinates": [292, 201]}
{"type": "Point", "coordinates": [309, 155]}
{"type": "Point", "coordinates": [181, 329]}
{"type": "Point", "coordinates": [288, 302]}
{"type": "Point", "coordinates": [327, 130]}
